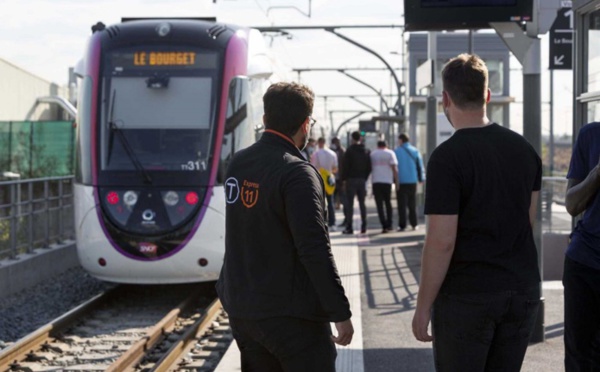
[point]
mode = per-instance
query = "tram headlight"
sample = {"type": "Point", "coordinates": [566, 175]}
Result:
{"type": "Point", "coordinates": [130, 198]}
{"type": "Point", "coordinates": [171, 198]}
{"type": "Point", "coordinates": [112, 198]}
{"type": "Point", "coordinates": [192, 198]}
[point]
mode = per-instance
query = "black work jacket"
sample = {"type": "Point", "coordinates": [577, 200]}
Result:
{"type": "Point", "coordinates": [278, 259]}
{"type": "Point", "coordinates": [357, 162]}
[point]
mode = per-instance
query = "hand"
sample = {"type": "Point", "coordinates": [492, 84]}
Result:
{"type": "Point", "coordinates": [419, 325]}
{"type": "Point", "coordinates": [345, 332]}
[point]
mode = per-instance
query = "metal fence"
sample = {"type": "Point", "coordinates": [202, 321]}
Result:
{"type": "Point", "coordinates": [35, 213]}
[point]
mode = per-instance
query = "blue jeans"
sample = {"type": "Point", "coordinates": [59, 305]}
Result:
{"type": "Point", "coordinates": [483, 332]}
{"type": "Point", "coordinates": [284, 344]}
{"type": "Point", "coordinates": [582, 320]}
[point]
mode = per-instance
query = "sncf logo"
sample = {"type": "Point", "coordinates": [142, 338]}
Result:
{"type": "Point", "coordinates": [147, 248]}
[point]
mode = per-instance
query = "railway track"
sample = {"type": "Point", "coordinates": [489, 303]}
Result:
{"type": "Point", "coordinates": [130, 328]}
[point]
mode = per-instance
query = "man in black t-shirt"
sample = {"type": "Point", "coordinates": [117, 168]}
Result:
{"type": "Point", "coordinates": [480, 278]}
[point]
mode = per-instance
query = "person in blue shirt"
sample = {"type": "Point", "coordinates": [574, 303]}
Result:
{"type": "Point", "coordinates": [581, 276]}
{"type": "Point", "coordinates": [410, 171]}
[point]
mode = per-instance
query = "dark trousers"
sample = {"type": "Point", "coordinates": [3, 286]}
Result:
{"type": "Point", "coordinates": [284, 344]}
{"type": "Point", "coordinates": [483, 332]}
{"type": "Point", "coordinates": [340, 196]}
{"type": "Point", "coordinates": [406, 198]}
{"type": "Point", "coordinates": [330, 210]}
{"type": "Point", "coordinates": [582, 317]}
{"type": "Point", "coordinates": [383, 195]}
{"type": "Point", "coordinates": [356, 187]}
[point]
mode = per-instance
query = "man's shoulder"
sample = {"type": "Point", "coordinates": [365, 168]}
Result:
{"type": "Point", "coordinates": [593, 127]}
{"type": "Point", "coordinates": [330, 152]}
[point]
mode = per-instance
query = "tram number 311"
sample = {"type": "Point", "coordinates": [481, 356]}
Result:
{"type": "Point", "coordinates": [194, 166]}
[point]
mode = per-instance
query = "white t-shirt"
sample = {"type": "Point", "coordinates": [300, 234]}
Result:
{"type": "Point", "coordinates": [324, 158]}
{"type": "Point", "coordinates": [381, 162]}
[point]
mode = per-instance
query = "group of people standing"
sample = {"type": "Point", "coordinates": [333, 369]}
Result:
{"type": "Point", "coordinates": [401, 168]}
{"type": "Point", "coordinates": [479, 287]}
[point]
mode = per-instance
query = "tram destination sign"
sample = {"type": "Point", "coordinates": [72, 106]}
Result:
{"type": "Point", "coordinates": [157, 59]}
{"type": "Point", "coordinates": [561, 41]}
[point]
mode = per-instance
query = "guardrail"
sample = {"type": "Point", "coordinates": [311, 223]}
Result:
{"type": "Point", "coordinates": [35, 213]}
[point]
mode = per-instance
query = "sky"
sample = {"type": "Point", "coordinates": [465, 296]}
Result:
{"type": "Point", "coordinates": [46, 37]}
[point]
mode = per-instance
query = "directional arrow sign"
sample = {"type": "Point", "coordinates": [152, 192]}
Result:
{"type": "Point", "coordinates": [561, 41]}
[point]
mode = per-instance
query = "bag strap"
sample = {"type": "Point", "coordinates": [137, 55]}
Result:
{"type": "Point", "coordinates": [416, 160]}
{"type": "Point", "coordinates": [408, 152]}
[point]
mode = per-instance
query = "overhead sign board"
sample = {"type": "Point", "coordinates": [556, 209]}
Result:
{"type": "Point", "coordinates": [427, 15]}
{"type": "Point", "coordinates": [367, 126]}
{"type": "Point", "coordinates": [561, 41]}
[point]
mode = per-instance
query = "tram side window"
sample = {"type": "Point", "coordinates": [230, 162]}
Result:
{"type": "Point", "coordinates": [83, 155]}
{"type": "Point", "coordinates": [238, 133]}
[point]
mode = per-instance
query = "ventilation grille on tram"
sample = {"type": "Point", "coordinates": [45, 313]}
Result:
{"type": "Point", "coordinates": [113, 31]}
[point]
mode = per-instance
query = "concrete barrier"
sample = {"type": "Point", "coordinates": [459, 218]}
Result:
{"type": "Point", "coordinates": [31, 269]}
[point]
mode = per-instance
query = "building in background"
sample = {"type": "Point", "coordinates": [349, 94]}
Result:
{"type": "Point", "coordinates": [19, 92]}
{"type": "Point", "coordinates": [36, 126]}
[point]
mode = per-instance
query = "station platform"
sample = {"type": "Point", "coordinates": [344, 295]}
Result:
{"type": "Point", "coordinates": [380, 273]}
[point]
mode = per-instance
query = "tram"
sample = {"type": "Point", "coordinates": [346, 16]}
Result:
{"type": "Point", "coordinates": [163, 105]}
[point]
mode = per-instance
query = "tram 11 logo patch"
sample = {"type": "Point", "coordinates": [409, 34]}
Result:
{"type": "Point", "coordinates": [249, 193]}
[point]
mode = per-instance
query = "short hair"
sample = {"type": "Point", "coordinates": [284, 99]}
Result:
{"type": "Point", "coordinates": [381, 144]}
{"type": "Point", "coordinates": [465, 79]}
{"type": "Point", "coordinates": [321, 140]}
{"type": "Point", "coordinates": [404, 137]}
{"type": "Point", "coordinates": [355, 136]}
{"type": "Point", "coordinates": [287, 105]}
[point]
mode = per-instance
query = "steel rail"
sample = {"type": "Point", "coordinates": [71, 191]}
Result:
{"type": "Point", "coordinates": [169, 360]}
{"type": "Point", "coordinates": [138, 350]}
{"type": "Point", "coordinates": [19, 350]}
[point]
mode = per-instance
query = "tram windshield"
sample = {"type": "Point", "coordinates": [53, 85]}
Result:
{"type": "Point", "coordinates": [158, 110]}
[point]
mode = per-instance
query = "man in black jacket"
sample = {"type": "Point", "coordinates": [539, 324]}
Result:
{"type": "Point", "coordinates": [279, 283]}
{"type": "Point", "coordinates": [356, 170]}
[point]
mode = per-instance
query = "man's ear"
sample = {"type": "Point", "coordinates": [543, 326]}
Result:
{"type": "Point", "coordinates": [489, 96]}
{"type": "Point", "coordinates": [306, 126]}
{"type": "Point", "coordinates": [445, 99]}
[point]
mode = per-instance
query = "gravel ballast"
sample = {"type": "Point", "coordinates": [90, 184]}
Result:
{"type": "Point", "coordinates": [24, 312]}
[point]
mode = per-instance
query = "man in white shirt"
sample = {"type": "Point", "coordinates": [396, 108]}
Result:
{"type": "Point", "coordinates": [326, 162]}
{"type": "Point", "coordinates": [384, 172]}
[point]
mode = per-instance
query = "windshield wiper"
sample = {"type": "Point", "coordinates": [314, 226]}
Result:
{"type": "Point", "coordinates": [128, 149]}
